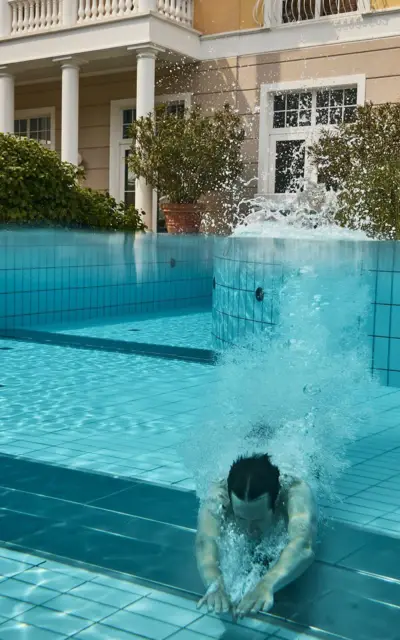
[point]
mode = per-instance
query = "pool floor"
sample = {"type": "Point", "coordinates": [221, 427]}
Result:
{"type": "Point", "coordinates": [123, 415]}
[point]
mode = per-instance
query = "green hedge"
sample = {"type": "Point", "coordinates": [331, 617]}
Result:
{"type": "Point", "coordinates": [37, 188]}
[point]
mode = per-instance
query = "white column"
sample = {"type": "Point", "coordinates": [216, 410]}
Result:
{"type": "Point", "coordinates": [5, 18]}
{"type": "Point", "coordinates": [70, 112]}
{"type": "Point", "coordinates": [147, 5]}
{"type": "Point", "coordinates": [6, 102]}
{"type": "Point", "coordinates": [69, 13]}
{"type": "Point", "coordinates": [145, 92]}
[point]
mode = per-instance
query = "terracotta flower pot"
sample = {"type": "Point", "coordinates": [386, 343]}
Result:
{"type": "Point", "coordinates": [182, 218]}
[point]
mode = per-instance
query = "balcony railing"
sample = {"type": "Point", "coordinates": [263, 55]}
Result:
{"type": "Point", "coordinates": [33, 16]}
{"type": "Point", "coordinates": [288, 11]}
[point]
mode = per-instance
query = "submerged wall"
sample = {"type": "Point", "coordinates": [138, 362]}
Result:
{"type": "Point", "coordinates": [53, 276]}
{"type": "Point", "coordinates": [249, 275]}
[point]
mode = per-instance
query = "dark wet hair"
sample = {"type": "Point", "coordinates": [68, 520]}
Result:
{"type": "Point", "coordinates": [250, 478]}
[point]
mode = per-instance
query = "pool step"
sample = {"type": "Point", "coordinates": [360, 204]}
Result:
{"type": "Point", "coordinates": [147, 531]}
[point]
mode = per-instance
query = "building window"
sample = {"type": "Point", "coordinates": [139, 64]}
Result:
{"type": "Point", "coordinates": [176, 107]}
{"type": "Point", "coordinates": [35, 129]}
{"type": "Point", "coordinates": [297, 116]}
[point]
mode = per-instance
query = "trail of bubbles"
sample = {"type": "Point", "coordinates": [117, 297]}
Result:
{"type": "Point", "coordinates": [294, 391]}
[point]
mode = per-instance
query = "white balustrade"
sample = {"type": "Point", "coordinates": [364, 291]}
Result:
{"type": "Point", "coordinates": [29, 16]}
{"type": "Point", "coordinates": [177, 10]}
{"type": "Point", "coordinates": [96, 10]}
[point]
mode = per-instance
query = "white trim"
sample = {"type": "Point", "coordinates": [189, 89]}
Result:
{"type": "Point", "coordinates": [43, 112]}
{"type": "Point", "coordinates": [264, 159]}
{"type": "Point", "coordinates": [338, 30]}
{"type": "Point", "coordinates": [116, 108]}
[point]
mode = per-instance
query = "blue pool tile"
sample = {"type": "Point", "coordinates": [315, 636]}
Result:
{"type": "Point", "coordinates": [80, 607]}
{"type": "Point", "coordinates": [185, 634]}
{"type": "Point", "coordinates": [31, 594]}
{"type": "Point", "coordinates": [394, 378]}
{"type": "Point", "coordinates": [13, 630]}
{"type": "Point", "coordinates": [394, 360]}
{"type": "Point", "coordinates": [106, 595]}
{"type": "Point", "coordinates": [152, 629]}
{"type": "Point", "coordinates": [164, 612]}
{"type": "Point", "coordinates": [9, 567]}
{"type": "Point", "coordinates": [384, 287]}
{"type": "Point", "coordinates": [53, 621]}
{"type": "Point", "coordinates": [25, 558]}
{"type": "Point", "coordinates": [382, 320]}
{"type": "Point", "coordinates": [9, 607]}
{"type": "Point", "coordinates": [50, 579]}
{"type": "Point", "coordinates": [101, 632]}
{"type": "Point", "coordinates": [381, 353]}
{"type": "Point", "coordinates": [395, 322]}
{"type": "Point", "coordinates": [396, 288]}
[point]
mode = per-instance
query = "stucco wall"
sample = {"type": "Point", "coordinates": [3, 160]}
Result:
{"type": "Point", "coordinates": [235, 81]}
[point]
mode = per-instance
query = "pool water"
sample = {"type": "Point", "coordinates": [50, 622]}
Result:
{"type": "Point", "coordinates": [192, 330]}
{"type": "Point", "coordinates": [122, 417]}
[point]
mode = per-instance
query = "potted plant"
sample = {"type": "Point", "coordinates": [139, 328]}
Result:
{"type": "Point", "coordinates": [185, 157]}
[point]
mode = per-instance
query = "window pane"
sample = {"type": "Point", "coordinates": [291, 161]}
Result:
{"type": "Point", "coordinates": [33, 126]}
{"type": "Point", "coordinates": [129, 182]}
{"type": "Point", "coordinates": [349, 114]}
{"type": "Point", "coordinates": [289, 165]}
{"type": "Point", "coordinates": [128, 116]}
{"type": "Point", "coordinates": [322, 98]}
{"type": "Point", "coordinates": [279, 102]}
{"type": "Point", "coordinates": [322, 116]}
{"type": "Point", "coordinates": [21, 127]}
{"type": "Point", "coordinates": [337, 98]}
{"type": "Point", "coordinates": [335, 116]}
{"type": "Point", "coordinates": [293, 101]}
{"type": "Point", "coordinates": [350, 96]}
{"type": "Point", "coordinates": [305, 118]}
{"type": "Point", "coordinates": [279, 120]}
{"type": "Point", "coordinates": [292, 119]}
{"type": "Point", "coordinates": [305, 100]}
{"type": "Point", "coordinates": [176, 108]}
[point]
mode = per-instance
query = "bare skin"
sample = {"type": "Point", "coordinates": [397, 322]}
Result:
{"type": "Point", "coordinates": [296, 504]}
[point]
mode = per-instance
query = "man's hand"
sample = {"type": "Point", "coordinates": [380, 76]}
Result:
{"type": "Point", "coordinates": [216, 598]}
{"type": "Point", "coordinates": [261, 598]}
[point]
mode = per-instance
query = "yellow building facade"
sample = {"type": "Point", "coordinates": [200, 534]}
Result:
{"type": "Point", "coordinates": [74, 75]}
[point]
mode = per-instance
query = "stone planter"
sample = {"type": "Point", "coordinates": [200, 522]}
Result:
{"type": "Point", "coordinates": [182, 218]}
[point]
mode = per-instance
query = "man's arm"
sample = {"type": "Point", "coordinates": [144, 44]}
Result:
{"type": "Point", "coordinates": [299, 553]}
{"type": "Point", "coordinates": [207, 555]}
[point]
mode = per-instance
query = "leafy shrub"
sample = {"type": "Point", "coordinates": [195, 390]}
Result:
{"type": "Point", "coordinates": [186, 157]}
{"type": "Point", "coordinates": [361, 161]}
{"type": "Point", "coordinates": [36, 187]}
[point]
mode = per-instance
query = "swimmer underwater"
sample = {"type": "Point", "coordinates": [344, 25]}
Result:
{"type": "Point", "coordinates": [254, 499]}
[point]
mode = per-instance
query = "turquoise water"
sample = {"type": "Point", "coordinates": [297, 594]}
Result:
{"type": "Point", "coordinates": [191, 329]}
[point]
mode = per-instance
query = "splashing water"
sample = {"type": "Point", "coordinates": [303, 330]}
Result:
{"type": "Point", "coordinates": [297, 390]}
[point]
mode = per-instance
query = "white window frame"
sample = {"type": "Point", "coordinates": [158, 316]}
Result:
{"type": "Point", "coordinates": [266, 175]}
{"type": "Point", "coordinates": [44, 112]}
{"type": "Point", "coordinates": [117, 107]}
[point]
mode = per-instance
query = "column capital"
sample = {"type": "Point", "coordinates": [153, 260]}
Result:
{"type": "Point", "coordinates": [5, 72]}
{"type": "Point", "coordinates": [70, 62]}
{"type": "Point", "coordinates": [146, 50]}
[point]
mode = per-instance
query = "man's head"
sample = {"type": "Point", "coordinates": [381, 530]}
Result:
{"type": "Point", "coordinates": [253, 487]}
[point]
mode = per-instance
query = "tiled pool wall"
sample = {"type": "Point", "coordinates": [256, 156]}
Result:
{"type": "Point", "coordinates": [244, 267]}
{"type": "Point", "coordinates": [55, 276]}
